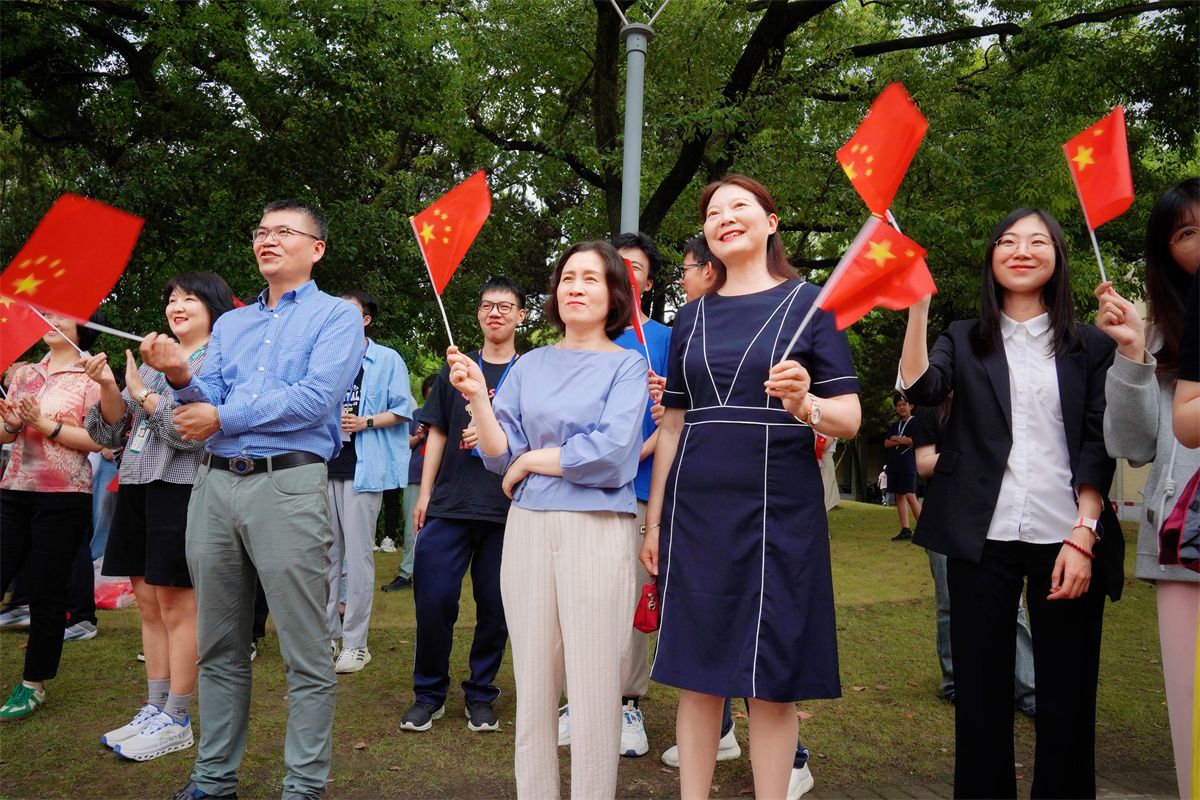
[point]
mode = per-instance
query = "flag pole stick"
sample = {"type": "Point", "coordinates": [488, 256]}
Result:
{"type": "Point", "coordinates": [59, 331]}
{"type": "Point", "coordinates": [1099, 260]}
{"type": "Point", "coordinates": [834, 277]}
{"type": "Point", "coordinates": [413, 222]}
{"type": "Point", "coordinates": [96, 326]}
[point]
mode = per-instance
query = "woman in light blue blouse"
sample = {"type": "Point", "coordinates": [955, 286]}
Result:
{"type": "Point", "coordinates": [566, 433]}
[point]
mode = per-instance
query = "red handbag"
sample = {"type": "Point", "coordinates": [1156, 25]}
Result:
{"type": "Point", "coordinates": [645, 616]}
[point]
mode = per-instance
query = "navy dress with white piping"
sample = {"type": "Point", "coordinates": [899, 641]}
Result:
{"type": "Point", "coordinates": [744, 572]}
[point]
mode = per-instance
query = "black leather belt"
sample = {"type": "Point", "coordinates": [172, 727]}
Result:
{"type": "Point", "coordinates": [241, 465]}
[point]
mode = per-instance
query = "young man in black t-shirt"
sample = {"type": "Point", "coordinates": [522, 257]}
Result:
{"type": "Point", "coordinates": [459, 517]}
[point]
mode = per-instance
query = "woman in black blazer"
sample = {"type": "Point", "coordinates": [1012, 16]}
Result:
{"type": "Point", "coordinates": [1018, 498]}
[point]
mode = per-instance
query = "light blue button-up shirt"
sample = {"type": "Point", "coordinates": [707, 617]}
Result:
{"type": "Point", "coordinates": [383, 453]}
{"type": "Point", "coordinates": [277, 375]}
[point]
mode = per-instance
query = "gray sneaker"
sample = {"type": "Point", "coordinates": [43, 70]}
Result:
{"type": "Point", "coordinates": [79, 632]}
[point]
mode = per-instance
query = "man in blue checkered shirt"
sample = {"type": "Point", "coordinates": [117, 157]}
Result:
{"type": "Point", "coordinates": [267, 404]}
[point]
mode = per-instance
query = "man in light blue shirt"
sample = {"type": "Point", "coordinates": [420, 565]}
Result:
{"type": "Point", "coordinates": [267, 402]}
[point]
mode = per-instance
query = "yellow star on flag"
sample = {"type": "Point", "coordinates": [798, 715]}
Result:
{"type": "Point", "coordinates": [881, 253]}
{"type": "Point", "coordinates": [849, 168]}
{"type": "Point", "coordinates": [28, 285]}
{"type": "Point", "coordinates": [1083, 157]}
{"type": "Point", "coordinates": [5, 301]}
{"type": "Point", "coordinates": [427, 232]}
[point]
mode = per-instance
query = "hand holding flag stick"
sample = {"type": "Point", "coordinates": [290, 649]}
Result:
{"type": "Point", "coordinates": [1098, 160]}
{"type": "Point", "coordinates": [638, 330]}
{"type": "Point", "coordinates": [446, 230]}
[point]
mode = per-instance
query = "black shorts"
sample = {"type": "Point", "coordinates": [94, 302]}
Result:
{"type": "Point", "coordinates": [148, 535]}
{"type": "Point", "coordinates": [901, 482]}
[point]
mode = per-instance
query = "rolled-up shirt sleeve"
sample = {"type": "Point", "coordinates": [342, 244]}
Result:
{"type": "Point", "coordinates": [607, 456]}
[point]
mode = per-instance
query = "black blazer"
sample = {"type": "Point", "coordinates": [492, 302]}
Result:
{"type": "Point", "coordinates": [977, 439]}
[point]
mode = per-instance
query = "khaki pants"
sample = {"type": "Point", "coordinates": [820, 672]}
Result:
{"type": "Point", "coordinates": [275, 523]}
{"type": "Point", "coordinates": [566, 578]}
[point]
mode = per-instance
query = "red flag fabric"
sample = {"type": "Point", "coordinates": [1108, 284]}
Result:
{"type": "Point", "coordinates": [74, 257]}
{"type": "Point", "coordinates": [637, 309]}
{"type": "Point", "coordinates": [447, 228]}
{"type": "Point", "coordinates": [20, 329]}
{"type": "Point", "coordinates": [1099, 162]}
{"type": "Point", "coordinates": [878, 154]}
{"type": "Point", "coordinates": [883, 267]}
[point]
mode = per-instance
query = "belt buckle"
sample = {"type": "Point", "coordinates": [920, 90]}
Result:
{"type": "Point", "coordinates": [241, 465]}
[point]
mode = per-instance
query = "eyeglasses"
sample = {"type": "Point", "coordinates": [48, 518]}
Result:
{"type": "Point", "coordinates": [280, 233]}
{"type": "Point", "coordinates": [1037, 244]}
{"type": "Point", "coordinates": [486, 307]}
{"type": "Point", "coordinates": [1186, 239]}
{"type": "Point", "coordinates": [683, 268]}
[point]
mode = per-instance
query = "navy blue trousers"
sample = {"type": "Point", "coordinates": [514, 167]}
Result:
{"type": "Point", "coordinates": [444, 549]}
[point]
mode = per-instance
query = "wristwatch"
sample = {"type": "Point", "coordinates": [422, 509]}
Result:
{"type": "Point", "coordinates": [1091, 524]}
{"type": "Point", "coordinates": [370, 422]}
{"type": "Point", "coordinates": [143, 394]}
{"type": "Point", "coordinates": [814, 413]}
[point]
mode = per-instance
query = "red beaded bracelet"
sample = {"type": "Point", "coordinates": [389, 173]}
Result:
{"type": "Point", "coordinates": [1088, 553]}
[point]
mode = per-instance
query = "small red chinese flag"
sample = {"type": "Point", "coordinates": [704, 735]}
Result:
{"type": "Point", "coordinates": [74, 257]}
{"type": "Point", "coordinates": [636, 322]}
{"type": "Point", "coordinates": [447, 228]}
{"type": "Point", "coordinates": [883, 267]}
{"type": "Point", "coordinates": [878, 154]}
{"type": "Point", "coordinates": [1099, 162]}
{"type": "Point", "coordinates": [20, 329]}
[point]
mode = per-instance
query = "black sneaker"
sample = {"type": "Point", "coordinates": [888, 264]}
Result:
{"type": "Point", "coordinates": [903, 536]}
{"type": "Point", "coordinates": [420, 716]}
{"type": "Point", "coordinates": [481, 716]}
{"type": "Point", "coordinates": [397, 584]}
{"type": "Point", "coordinates": [193, 792]}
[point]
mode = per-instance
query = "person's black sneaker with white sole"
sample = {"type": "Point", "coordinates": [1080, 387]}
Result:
{"type": "Point", "coordinates": [481, 717]}
{"type": "Point", "coordinates": [420, 716]}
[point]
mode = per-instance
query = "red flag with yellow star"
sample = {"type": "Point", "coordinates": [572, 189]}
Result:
{"type": "Point", "coordinates": [20, 329]}
{"type": "Point", "coordinates": [878, 154]}
{"type": "Point", "coordinates": [74, 257]}
{"type": "Point", "coordinates": [1099, 163]}
{"type": "Point", "coordinates": [883, 267]}
{"type": "Point", "coordinates": [447, 228]}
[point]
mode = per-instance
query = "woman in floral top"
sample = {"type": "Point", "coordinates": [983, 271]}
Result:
{"type": "Point", "coordinates": [147, 540]}
{"type": "Point", "coordinates": [46, 496]}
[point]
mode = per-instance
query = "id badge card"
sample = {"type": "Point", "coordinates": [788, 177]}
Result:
{"type": "Point", "coordinates": [138, 441]}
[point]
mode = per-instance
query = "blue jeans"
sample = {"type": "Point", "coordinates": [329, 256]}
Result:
{"type": "Point", "coordinates": [1023, 680]}
{"type": "Point", "coordinates": [444, 550]}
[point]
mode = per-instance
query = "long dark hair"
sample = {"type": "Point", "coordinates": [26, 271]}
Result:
{"type": "Point", "coordinates": [1167, 283]}
{"type": "Point", "coordinates": [1056, 294]}
{"type": "Point", "coordinates": [777, 263]}
{"type": "Point", "coordinates": [616, 277]}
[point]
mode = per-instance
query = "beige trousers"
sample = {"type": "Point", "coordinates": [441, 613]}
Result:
{"type": "Point", "coordinates": [635, 659]}
{"type": "Point", "coordinates": [566, 578]}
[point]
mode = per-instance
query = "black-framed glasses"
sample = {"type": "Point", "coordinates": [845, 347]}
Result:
{"type": "Point", "coordinates": [487, 306]}
{"type": "Point", "coordinates": [683, 268]}
{"type": "Point", "coordinates": [280, 233]}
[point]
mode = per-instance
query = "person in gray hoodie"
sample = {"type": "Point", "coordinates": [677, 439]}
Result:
{"type": "Point", "coordinates": [1140, 387]}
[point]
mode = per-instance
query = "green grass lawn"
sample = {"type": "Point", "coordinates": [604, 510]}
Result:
{"type": "Point", "coordinates": [889, 729]}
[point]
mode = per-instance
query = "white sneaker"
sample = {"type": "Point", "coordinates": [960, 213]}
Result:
{"type": "Point", "coordinates": [564, 726]}
{"type": "Point", "coordinates": [633, 732]}
{"type": "Point", "coordinates": [727, 750]}
{"type": "Point", "coordinates": [163, 735]}
{"type": "Point", "coordinates": [131, 728]}
{"type": "Point", "coordinates": [800, 783]}
{"type": "Point", "coordinates": [387, 545]}
{"type": "Point", "coordinates": [352, 659]}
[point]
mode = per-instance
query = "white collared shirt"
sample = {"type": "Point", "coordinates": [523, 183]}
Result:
{"type": "Point", "coordinates": [1036, 502]}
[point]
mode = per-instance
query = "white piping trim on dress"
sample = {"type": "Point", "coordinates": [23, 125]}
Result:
{"type": "Point", "coordinates": [746, 352]}
{"type": "Point", "coordinates": [687, 348]}
{"type": "Point", "coordinates": [670, 540]}
{"type": "Point", "coordinates": [782, 319]}
{"type": "Point", "coordinates": [762, 576]}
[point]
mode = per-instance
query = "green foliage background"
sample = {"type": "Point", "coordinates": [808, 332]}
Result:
{"type": "Point", "coordinates": [194, 114]}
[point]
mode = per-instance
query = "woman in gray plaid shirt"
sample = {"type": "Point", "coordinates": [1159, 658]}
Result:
{"type": "Point", "coordinates": [147, 541]}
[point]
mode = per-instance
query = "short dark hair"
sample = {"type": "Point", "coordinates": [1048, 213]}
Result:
{"type": "Point", "coordinates": [698, 246]}
{"type": "Point", "coordinates": [427, 384]}
{"type": "Point", "coordinates": [1056, 294]}
{"type": "Point", "coordinates": [777, 263]}
{"type": "Point", "coordinates": [88, 336]}
{"type": "Point", "coordinates": [314, 213]}
{"type": "Point", "coordinates": [369, 304]}
{"type": "Point", "coordinates": [211, 288]}
{"type": "Point", "coordinates": [644, 243]}
{"type": "Point", "coordinates": [616, 278]}
{"type": "Point", "coordinates": [1167, 283]}
{"type": "Point", "coordinates": [502, 283]}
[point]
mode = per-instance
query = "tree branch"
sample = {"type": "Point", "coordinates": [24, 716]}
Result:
{"type": "Point", "coordinates": [527, 146]}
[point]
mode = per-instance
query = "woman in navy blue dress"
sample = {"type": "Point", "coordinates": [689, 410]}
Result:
{"type": "Point", "coordinates": [736, 510]}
